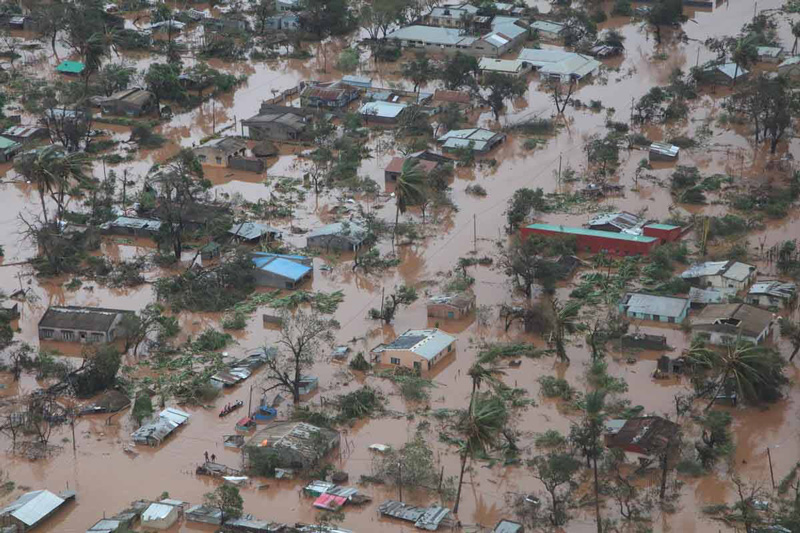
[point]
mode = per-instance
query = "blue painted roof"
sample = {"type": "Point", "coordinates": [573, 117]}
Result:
{"type": "Point", "coordinates": [262, 258]}
{"type": "Point", "coordinates": [283, 267]}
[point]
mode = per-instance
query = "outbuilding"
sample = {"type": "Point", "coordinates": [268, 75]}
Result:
{"type": "Point", "coordinates": [282, 271]}
{"type": "Point", "coordinates": [382, 112]}
{"type": "Point", "coordinates": [656, 308]}
{"type": "Point", "coordinates": [293, 444]}
{"type": "Point", "coordinates": [451, 306]}
{"type": "Point", "coordinates": [131, 102]}
{"type": "Point", "coordinates": [726, 323]}
{"type": "Point", "coordinates": [31, 509]}
{"type": "Point", "coordinates": [663, 232]}
{"type": "Point", "coordinates": [80, 324]}
{"type": "Point", "coordinates": [772, 293]}
{"type": "Point", "coordinates": [663, 152]}
{"type": "Point", "coordinates": [254, 232]}
{"type": "Point", "coordinates": [135, 226]}
{"type": "Point", "coordinates": [160, 516]}
{"type": "Point", "coordinates": [220, 152]}
{"type": "Point", "coordinates": [417, 349]}
{"type": "Point", "coordinates": [342, 236]}
{"type": "Point", "coordinates": [8, 149]}
{"type": "Point", "coordinates": [721, 274]}
{"type": "Point", "coordinates": [277, 123]}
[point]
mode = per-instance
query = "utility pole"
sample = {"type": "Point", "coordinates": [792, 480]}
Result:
{"type": "Point", "coordinates": [250, 401]}
{"type": "Point", "coordinates": [213, 116]}
{"type": "Point", "coordinates": [771, 472]}
{"type": "Point", "coordinates": [559, 170]}
{"type": "Point", "coordinates": [383, 293]}
{"type": "Point", "coordinates": [475, 232]}
{"type": "Point", "coordinates": [400, 478]}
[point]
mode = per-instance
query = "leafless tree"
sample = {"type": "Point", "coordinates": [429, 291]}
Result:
{"type": "Point", "coordinates": [559, 98]}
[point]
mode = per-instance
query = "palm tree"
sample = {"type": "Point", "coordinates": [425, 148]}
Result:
{"type": "Point", "coordinates": [408, 189]}
{"type": "Point", "coordinates": [564, 323]}
{"type": "Point", "coordinates": [595, 405]}
{"type": "Point", "coordinates": [479, 428]}
{"type": "Point", "coordinates": [796, 34]}
{"type": "Point", "coordinates": [52, 170]}
{"type": "Point", "coordinates": [743, 55]}
{"type": "Point", "coordinates": [791, 331]}
{"type": "Point", "coordinates": [756, 372]}
{"type": "Point", "coordinates": [479, 374]}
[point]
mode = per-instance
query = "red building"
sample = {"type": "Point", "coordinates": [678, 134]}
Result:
{"type": "Point", "coordinates": [595, 241]}
{"type": "Point", "coordinates": [663, 232]}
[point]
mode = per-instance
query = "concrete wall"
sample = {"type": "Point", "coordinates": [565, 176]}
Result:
{"type": "Point", "coordinates": [268, 279]}
{"type": "Point", "coordinates": [248, 164]}
{"type": "Point", "coordinates": [330, 242]}
{"type": "Point", "coordinates": [271, 131]}
{"type": "Point", "coordinates": [407, 358]}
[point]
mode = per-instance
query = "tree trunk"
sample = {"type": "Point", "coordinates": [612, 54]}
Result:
{"type": "Point", "coordinates": [664, 463]}
{"type": "Point", "coordinates": [396, 220]}
{"type": "Point", "coordinates": [460, 481]}
{"type": "Point", "coordinates": [716, 391]}
{"type": "Point", "coordinates": [597, 497]}
{"type": "Point", "coordinates": [794, 352]}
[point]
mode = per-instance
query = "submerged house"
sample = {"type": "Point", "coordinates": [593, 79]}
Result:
{"type": "Point", "coordinates": [656, 308]}
{"type": "Point", "coordinates": [725, 323]}
{"type": "Point", "coordinates": [416, 348]}
{"type": "Point", "coordinates": [721, 274]}
{"type": "Point", "coordinates": [428, 518]}
{"type": "Point", "coordinates": [31, 509]}
{"type": "Point", "coordinates": [294, 444]}
{"type": "Point", "coordinates": [663, 152]}
{"type": "Point", "coordinates": [282, 271]}
{"type": "Point", "coordinates": [725, 73]}
{"type": "Point", "coordinates": [254, 232]}
{"type": "Point", "coordinates": [382, 112]}
{"type": "Point", "coordinates": [548, 29]}
{"type": "Point", "coordinates": [620, 222]}
{"type": "Point", "coordinates": [135, 226]}
{"type": "Point", "coordinates": [8, 149]}
{"type": "Point", "coordinates": [559, 64]}
{"type": "Point", "coordinates": [642, 436]}
{"type": "Point", "coordinates": [220, 151]}
{"type": "Point", "coordinates": [130, 102]}
{"type": "Point", "coordinates": [160, 515]}
{"type": "Point", "coordinates": [276, 123]}
{"type": "Point", "coordinates": [155, 432]}
{"type": "Point", "coordinates": [331, 96]}
{"type": "Point", "coordinates": [80, 324]}
{"type": "Point", "coordinates": [790, 67]}
{"type": "Point", "coordinates": [477, 139]}
{"type": "Point", "coordinates": [452, 306]}
{"type": "Point", "coordinates": [395, 167]}
{"type": "Point", "coordinates": [772, 294]}
{"type": "Point", "coordinates": [342, 236]}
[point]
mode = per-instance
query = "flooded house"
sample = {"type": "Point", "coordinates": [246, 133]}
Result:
{"type": "Point", "coordinates": [726, 323]}
{"type": "Point", "coordinates": [130, 102]}
{"type": "Point", "coordinates": [294, 444]}
{"type": "Point", "coordinates": [508, 526]}
{"type": "Point", "coordinates": [133, 226]}
{"type": "Point", "coordinates": [548, 29]}
{"type": "Point", "coordinates": [657, 308]}
{"type": "Point", "coordinates": [32, 509]}
{"type": "Point", "coordinates": [478, 140]}
{"type": "Point", "coordinates": [772, 293]}
{"type": "Point", "coordinates": [220, 152]}
{"type": "Point", "coordinates": [721, 274]}
{"type": "Point", "coordinates": [395, 167]}
{"type": "Point", "coordinates": [156, 431]}
{"type": "Point", "coordinates": [281, 271]}
{"type": "Point", "coordinates": [451, 306]}
{"type": "Point", "coordinates": [341, 236]}
{"type": "Point", "coordinates": [511, 67]}
{"type": "Point", "coordinates": [362, 82]}
{"type": "Point", "coordinates": [451, 16]}
{"type": "Point", "coordinates": [618, 244]}
{"type": "Point", "coordinates": [161, 516]}
{"type": "Point", "coordinates": [80, 324]}
{"type": "Point", "coordinates": [332, 96]}
{"type": "Point", "coordinates": [417, 349]}
{"type": "Point", "coordinates": [282, 6]}
{"type": "Point", "coordinates": [382, 112]}
{"type": "Point", "coordinates": [8, 149]}
{"type": "Point", "coordinates": [724, 73]}
{"type": "Point", "coordinates": [702, 297]}
{"type": "Point", "coordinates": [790, 67]}
{"type": "Point", "coordinates": [559, 64]}
{"type": "Point", "coordinates": [663, 152]}
{"type": "Point", "coordinates": [619, 222]}
{"type": "Point", "coordinates": [506, 34]}
{"type": "Point", "coordinates": [276, 123]}
{"type": "Point", "coordinates": [254, 232]}
{"type": "Point", "coordinates": [428, 518]}
{"type": "Point", "coordinates": [641, 437]}
{"type": "Point", "coordinates": [70, 68]}
{"type": "Point", "coordinates": [24, 134]}
{"type": "Point", "coordinates": [769, 54]}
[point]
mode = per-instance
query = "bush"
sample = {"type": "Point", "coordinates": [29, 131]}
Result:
{"type": "Point", "coordinates": [348, 60]}
{"type": "Point", "coordinates": [553, 387]}
{"type": "Point", "coordinates": [475, 190]}
{"type": "Point", "coordinates": [389, 54]}
{"type": "Point", "coordinates": [622, 8]}
{"type": "Point", "coordinates": [211, 340]}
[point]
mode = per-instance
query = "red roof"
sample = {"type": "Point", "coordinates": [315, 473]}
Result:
{"type": "Point", "coordinates": [330, 502]}
{"type": "Point", "coordinates": [459, 97]}
{"type": "Point", "coordinates": [396, 165]}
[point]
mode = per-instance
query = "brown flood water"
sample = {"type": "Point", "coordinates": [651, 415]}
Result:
{"type": "Point", "coordinates": [107, 478]}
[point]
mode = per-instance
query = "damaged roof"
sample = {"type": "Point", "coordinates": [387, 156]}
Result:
{"type": "Point", "coordinates": [427, 343]}
{"type": "Point", "coordinates": [645, 434]}
{"type": "Point", "coordinates": [777, 289]}
{"type": "Point", "coordinates": [251, 231]}
{"type": "Point", "coordinates": [81, 318]}
{"type": "Point", "coordinates": [751, 321]}
{"type": "Point", "coordinates": [459, 300]}
{"type": "Point", "coordinates": [351, 231]}
{"type": "Point", "coordinates": [622, 220]}
{"type": "Point", "coordinates": [298, 436]}
{"type": "Point", "coordinates": [427, 518]}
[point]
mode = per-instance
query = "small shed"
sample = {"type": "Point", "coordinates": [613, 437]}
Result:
{"type": "Point", "coordinates": [452, 306]}
{"type": "Point", "coordinates": [343, 236]}
{"type": "Point", "coordinates": [663, 152]}
{"type": "Point", "coordinates": [160, 516]}
{"type": "Point", "coordinates": [71, 68]}
{"type": "Point", "coordinates": [664, 232]}
{"type": "Point", "coordinates": [8, 149]}
{"type": "Point", "coordinates": [282, 271]}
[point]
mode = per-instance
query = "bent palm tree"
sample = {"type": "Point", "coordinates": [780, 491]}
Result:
{"type": "Point", "coordinates": [565, 322]}
{"type": "Point", "coordinates": [408, 189]}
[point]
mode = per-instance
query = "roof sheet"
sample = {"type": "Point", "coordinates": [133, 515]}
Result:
{"type": "Point", "coordinates": [574, 65]}
{"type": "Point", "coordinates": [432, 35]}
{"type": "Point", "coordinates": [666, 149]}
{"type": "Point", "coordinates": [500, 65]}
{"type": "Point", "coordinates": [7, 143]}
{"type": "Point", "coordinates": [666, 227]}
{"type": "Point", "coordinates": [79, 318]}
{"type": "Point", "coordinates": [568, 230]}
{"type": "Point", "coordinates": [351, 231]}
{"type": "Point", "coordinates": [738, 271]}
{"type": "Point", "coordinates": [790, 61]}
{"type": "Point", "coordinates": [648, 304]}
{"type": "Point", "coordinates": [427, 343]}
{"type": "Point", "coordinates": [252, 230]}
{"type": "Point", "coordinates": [622, 220]}
{"type": "Point", "coordinates": [32, 507]}
{"type": "Point", "coordinates": [547, 26]}
{"type": "Point", "coordinates": [70, 67]}
{"type": "Point", "coordinates": [774, 288]}
{"type": "Point", "coordinates": [156, 511]}
{"type": "Point", "coordinates": [287, 268]}
{"type": "Point", "coordinates": [382, 109]}
{"type": "Point", "coordinates": [134, 223]}
{"type": "Point", "coordinates": [732, 318]}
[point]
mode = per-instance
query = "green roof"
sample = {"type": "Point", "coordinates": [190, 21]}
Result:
{"type": "Point", "coordinates": [567, 230]}
{"type": "Point", "coordinates": [662, 226]}
{"type": "Point", "coordinates": [7, 143]}
{"type": "Point", "coordinates": [70, 67]}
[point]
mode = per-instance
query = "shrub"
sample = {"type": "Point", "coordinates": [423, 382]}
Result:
{"type": "Point", "coordinates": [553, 387]}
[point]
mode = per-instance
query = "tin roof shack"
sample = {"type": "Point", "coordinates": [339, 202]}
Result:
{"type": "Point", "coordinates": [769, 54]}
{"type": "Point", "coordinates": [382, 112]}
{"type": "Point", "coordinates": [621, 222]}
{"type": "Point", "coordinates": [429, 518]}
{"type": "Point", "coordinates": [664, 232]}
{"type": "Point", "coordinates": [70, 68]}
{"type": "Point", "coordinates": [702, 297]}
{"type": "Point", "coordinates": [204, 515]}
{"type": "Point", "coordinates": [721, 274]}
{"type": "Point", "coordinates": [80, 324]}
{"type": "Point", "coordinates": [334, 96]}
{"type": "Point", "coordinates": [8, 149]}
{"type": "Point", "coordinates": [723, 74]}
{"type": "Point", "coordinates": [138, 227]}
{"type": "Point", "coordinates": [643, 437]}
{"type": "Point", "coordinates": [282, 271]}
{"type": "Point", "coordinates": [131, 102]}
{"type": "Point", "coordinates": [507, 526]}
{"type": "Point", "coordinates": [790, 67]}
{"type": "Point", "coordinates": [477, 139]}
{"type": "Point", "coordinates": [294, 444]}
{"type": "Point", "coordinates": [664, 152]}
{"type": "Point", "coordinates": [416, 349]}
{"type": "Point", "coordinates": [512, 67]}
{"type": "Point", "coordinates": [219, 152]}
{"type": "Point", "coordinates": [276, 123]}
{"type": "Point", "coordinates": [254, 232]}
{"type": "Point", "coordinates": [25, 134]}
{"type": "Point", "coordinates": [547, 29]}
{"type": "Point", "coordinates": [32, 509]}
{"type": "Point", "coordinates": [160, 516]}
{"type": "Point", "coordinates": [452, 306]}
{"type": "Point", "coordinates": [343, 236]}
{"type": "Point", "coordinates": [657, 308]}
{"type": "Point", "coordinates": [106, 525]}
{"type": "Point", "coordinates": [395, 168]}
{"type": "Point", "coordinates": [619, 244]}
{"type": "Point", "coordinates": [155, 432]}
{"type": "Point", "coordinates": [725, 323]}
{"type": "Point", "coordinates": [772, 294]}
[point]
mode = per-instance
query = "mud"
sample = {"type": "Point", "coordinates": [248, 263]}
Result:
{"type": "Point", "coordinates": [107, 478]}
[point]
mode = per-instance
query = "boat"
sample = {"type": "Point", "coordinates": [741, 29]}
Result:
{"type": "Point", "coordinates": [246, 424]}
{"type": "Point", "coordinates": [265, 414]}
{"type": "Point", "coordinates": [228, 409]}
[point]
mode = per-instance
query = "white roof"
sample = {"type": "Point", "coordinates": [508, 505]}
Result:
{"type": "Point", "coordinates": [540, 58]}
{"type": "Point", "coordinates": [382, 109]}
{"type": "Point", "coordinates": [157, 511]}
{"type": "Point", "coordinates": [507, 26]}
{"type": "Point", "coordinates": [500, 65]}
{"type": "Point", "coordinates": [771, 51]}
{"type": "Point", "coordinates": [32, 507]}
{"type": "Point", "coordinates": [738, 271]}
{"type": "Point", "coordinates": [648, 304]}
{"type": "Point", "coordinates": [790, 61]}
{"type": "Point", "coordinates": [665, 149]}
{"type": "Point", "coordinates": [427, 343]}
{"type": "Point", "coordinates": [709, 268]}
{"type": "Point", "coordinates": [729, 69]}
{"type": "Point", "coordinates": [174, 415]}
{"type": "Point", "coordinates": [576, 65]}
{"type": "Point", "coordinates": [547, 26]}
{"type": "Point", "coordinates": [432, 35]}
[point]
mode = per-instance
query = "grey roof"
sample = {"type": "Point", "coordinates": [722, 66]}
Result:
{"type": "Point", "coordinates": [32, 507]}
{"type": "Point", "coordinates": [133, 223]}
{"type": "Point", "coordinates": [352, 231]}
{"type": "Point", "coordinates": [501, 65]}
{"type": "Point", "coordinates": [738, 271]}
{"type": "Point", "coordinates": [539, 57]}
{"type": "Point", "coordinates": [727, 269]}
{"type": "Point", "coordinates": [547, 26]}
{"type": "Point", "coordinates": [427, 518]}
{"type": "Point", "coordinates": [710, 296]}
{"type": "Point", "coordinates": [290, 119]}
{"type": "Point", "coordinates": [751, 321]}
{"type": "Point", "coordinates": [250, 231]}
{"type": "Point", "coordinates": [80, 318]}
{"type": "Point", "coordinates": [383, 109]}
{"type": "Point", "coordinates": [665, 149]}
{"type": "Point", "coordinates": [575, 65]}
{"type": "Point", "coordinates": [777, 289]}
{"type": "Point", "coordinates": [427, 343]}
{"type": "Point", "coordinates": [648, 304]}
{"type": "Point", "coordinates": [769, 51]}
{"type": "Point", "coordinates": [357, 80]}
{"type": "Point", "coordinates": [622, 220]}
{"type": "Point", "coordinates": [106, 525]}
{"type": "Point", "coordinates": [728, 69]}
{"type": "Point", "coordinates": [507, 526]}
{"type": "Point", "coordinates": [432, 35]}
{"type": "Point", "coordinates": [227, 144]}
{"type": "Point", "coordinates": [156, 431]}
{"type": "Point", "coordinates": [478, 136]}
{"type": "Point", "coordinates": [157, 511]}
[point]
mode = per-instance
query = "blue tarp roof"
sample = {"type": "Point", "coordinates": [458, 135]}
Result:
{"type": "Point", "coordinates": [282, 267]}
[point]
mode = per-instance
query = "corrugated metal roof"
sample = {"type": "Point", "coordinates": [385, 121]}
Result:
{"type": "Point", "coordinates": [432, 35]}
{"type": "Point", "coordinates": [648, 304]}
{"type": "Point", "coordinates": [507, 526]}
{"type": "Point", "coordinates": [774, 288]}
{"type": "Point", "coordinates": [7, 143]}
{"type": "Point", "coordinates": [157, 511]}
{"type": "Point", "coordinates": [500, 65]}
{"type": "Point", "coordinates": [351, 231]}
{"type": "Point", "coordinates": [710, 296]}
{"type": "Point", "coordinates": [790, 61]}
{"type": "Point", "coordinates": [32, 507]}
{"type": "Point", "coordinates": [382, 109]}
{"type": "Point", "coordinates": [286, 268]}
{"type": "Point", "coordinates": [175, 415]}
{"type": "Point", "coordinates": [568, 230]}
{"type": "Point", "coordinates": [134, 223]}
{"type": "Point", "coordinates": [106, 525]}
{"type": "Point", "coordinates": [427, 343]}
{"type": "Point", "coordinates": [666, 149]}
{"type": "Point", "coordinates": [738, 271]}
{"type": "Point", "coordinates": [709, 268]}
{"type": "Point", "coordinates": [666, 227]}
{"type": "Point", "coordinates": [547, 26]}
{"type": "Point", "coordinates": [575, 65]}
{"type": "Point", "coordinates": [252, 230]}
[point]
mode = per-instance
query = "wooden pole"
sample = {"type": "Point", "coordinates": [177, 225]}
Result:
{"type": "Point", "coordinates": [400, 479]}
{"type": "Point", "coordinates": [475, 232]}
{"type": "Point", "coordinates": [771, 472]}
